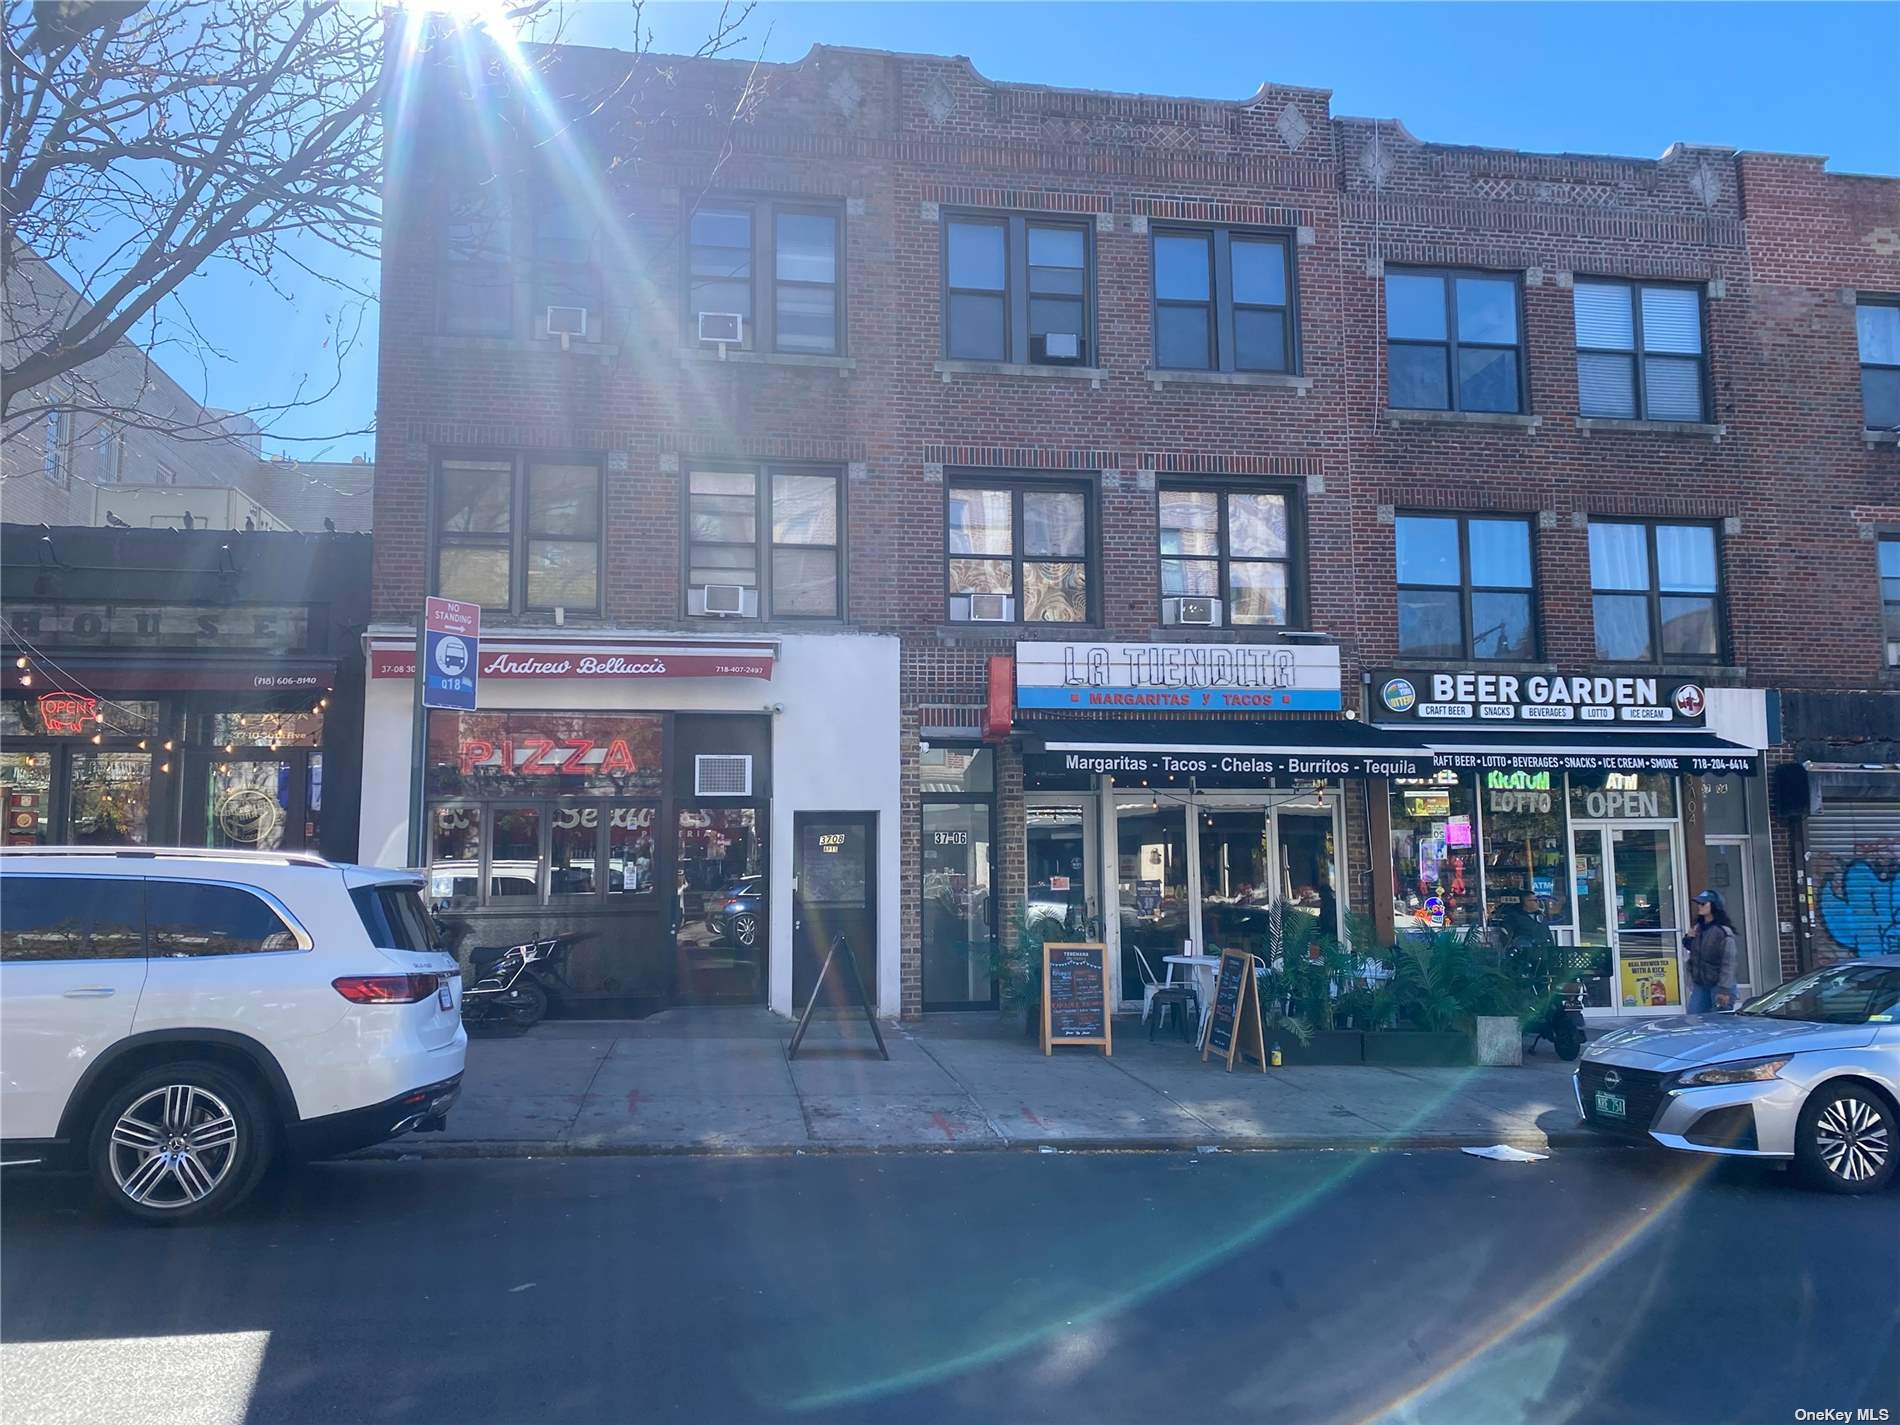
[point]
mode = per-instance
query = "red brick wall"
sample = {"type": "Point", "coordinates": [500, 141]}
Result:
{"type": "Point", "coordinates": [900, 137]}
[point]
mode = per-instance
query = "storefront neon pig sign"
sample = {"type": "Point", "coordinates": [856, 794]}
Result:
{"type": "Point", "coordinates": [547, 756]}
{"type": "Point", "coordinates": [66, 714]}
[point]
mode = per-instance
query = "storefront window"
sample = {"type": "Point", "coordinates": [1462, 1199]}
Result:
{"type": "Point", "coordinates": [1526, 855]}
{"type": "Point", "coordinates": [232, 730]}
{"type": "Point", "coordinates": [573, 852]}
{"type": "Point", "coordinates": [630, 852]}
{"type": "Point", "coordinates": [1724, 805]}
{"type": "Point", "coordinates": [519, 754]}
{"type": "Point", "coordinates": [1435, 881]}
{"type": "Point", "coordinates": [26, 787]}
{"type": "Point", "coordinates": [1622, 796]}
{"type": "Point", "coordinates": [110, 799]}
{"type": "Point", "coordinates": [1057, 863]}
{"type": "Point", "coordinates": [455, 857]}
{"type": "Point", "coordinates": [247, 805]}
{"type": "Point", "coordinates": [514, 857]}
{"type": "Point", "coordinates": [57, 714]}
{"type": "Point", "coordinates": [1152, 871]}
{"type": "Point", "coordinates": [948, 770]}
{"type": "Point", "coordinates": [720, 890]}
{"type": "Point", "coordinates": [957, 906]}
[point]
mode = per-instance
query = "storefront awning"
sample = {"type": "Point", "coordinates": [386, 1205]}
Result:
{"type": "Point", "coordinates": [1230, 752]}
{"type": "Point", "coordinates": [590, 659]}
{"type": "Point", "coordinates": [1698, 753]}
{"type": "Point", "coordinates": [160, 673]}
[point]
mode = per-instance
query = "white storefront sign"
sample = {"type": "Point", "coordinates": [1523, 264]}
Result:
{"type": "Point", "coordinates": [1151, 678]}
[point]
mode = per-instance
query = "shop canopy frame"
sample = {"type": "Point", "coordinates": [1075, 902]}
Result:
{"type": "Point", "coordinates": [1228, 752]}
{"type": "Point", "coordinates": [1694, 753]}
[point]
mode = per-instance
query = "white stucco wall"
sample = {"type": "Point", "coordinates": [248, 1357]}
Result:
{"type": "Point", "coordinates": [834, 748]}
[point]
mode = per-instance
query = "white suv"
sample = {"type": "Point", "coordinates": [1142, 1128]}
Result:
{"type": "Point", "coordinates": [172, 1020]}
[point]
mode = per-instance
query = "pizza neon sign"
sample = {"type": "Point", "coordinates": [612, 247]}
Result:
{"type": "Point", "coordinates": [547, 756]}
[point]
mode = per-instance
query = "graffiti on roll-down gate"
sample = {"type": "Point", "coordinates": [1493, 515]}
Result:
{"type": "Point", "coordinates": [1857, 899]}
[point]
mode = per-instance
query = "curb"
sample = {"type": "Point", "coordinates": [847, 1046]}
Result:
{"type": "Point", "coordinates": [408, 1151]}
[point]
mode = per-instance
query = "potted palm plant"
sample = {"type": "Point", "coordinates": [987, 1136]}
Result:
{"type": "Point", "coordinates": [1327, 986]}
{"type": "Point", "coordinates": [1440, 984]}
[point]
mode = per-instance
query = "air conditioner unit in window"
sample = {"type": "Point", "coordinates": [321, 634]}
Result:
{"type": "Point", "coordinates": [723, 601]}
{"type": "Point", "coordinates": [1191, 612]}
{"type": "Point", "coordinates": [991, 608]}
{"type": "Point", "coordinates": [567, 321]}
{"type": "Point", "coordinates": [1056, 348]}
{"type": "Point", "coordinates": [721, 328]}
{"type": "Point", "coordinates": [722, 774]}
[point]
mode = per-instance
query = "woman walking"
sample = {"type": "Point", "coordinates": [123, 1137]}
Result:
{"type": "Point", "coordinates": [1711, 947]}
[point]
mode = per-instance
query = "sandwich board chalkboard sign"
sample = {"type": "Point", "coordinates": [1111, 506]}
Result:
{"type": "Point", "coordinates": [1234, 1024]}
{"type": "Point", "coordinates": [1075, 992]}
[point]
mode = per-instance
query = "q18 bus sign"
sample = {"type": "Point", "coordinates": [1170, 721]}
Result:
{"type": "Point", "coordinates": [451, 653]}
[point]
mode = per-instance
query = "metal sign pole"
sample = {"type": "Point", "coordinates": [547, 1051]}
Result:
{"type": "Point", "coordinates": [418, 749]}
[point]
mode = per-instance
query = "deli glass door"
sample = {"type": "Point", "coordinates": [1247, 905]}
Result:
{"type": "Point", "coordinates": [1648, 919]}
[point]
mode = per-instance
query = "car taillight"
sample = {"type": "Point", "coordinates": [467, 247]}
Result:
{"type": "Point", "coordinates": [386, 989]}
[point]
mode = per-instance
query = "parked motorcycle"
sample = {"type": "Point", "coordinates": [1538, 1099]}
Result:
{"type": "Point", "coordinates": [512, 982]}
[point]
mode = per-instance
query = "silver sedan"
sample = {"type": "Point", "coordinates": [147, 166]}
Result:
{"type": "Point", "coordinates": [1808, 1072]}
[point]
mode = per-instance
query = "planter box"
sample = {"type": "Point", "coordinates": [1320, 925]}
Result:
{"type": "Point", "coordinates": [1328, 1046]}
{"type": "Point", "coordinates": [1417, 1048]}
{"type": "Point", "coordinates": [1500, 1041]}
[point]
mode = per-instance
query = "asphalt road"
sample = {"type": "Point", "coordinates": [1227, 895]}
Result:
{"type": "Point", "coordinates": [1605, 1285]}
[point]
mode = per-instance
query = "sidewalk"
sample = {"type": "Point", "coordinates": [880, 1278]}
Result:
{"type": "Point", "coordinates": [716, 1080]}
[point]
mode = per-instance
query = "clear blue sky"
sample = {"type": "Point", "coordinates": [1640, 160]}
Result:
{"type": "Point", "coordinates": [1602, 78]}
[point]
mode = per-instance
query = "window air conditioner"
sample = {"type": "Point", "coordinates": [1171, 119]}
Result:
{"type": "Point", "coordinates": [567, 321]}
{"type": "Point", "coordinates": [1058, 348]}
{"type": "Point", "coordinates": [722, 328]}
{"type": "Point", "coordinates": [1191, 612]}
{"type": "Point", "coordinates": [992, 608]}
{"type": "Point", "coordinates": [723, 601]}
{"type": "Point", "coordinates": [722, 774]}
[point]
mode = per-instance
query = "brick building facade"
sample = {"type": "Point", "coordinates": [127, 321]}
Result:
{"type": "Point", "coordinates": [1257, 382]}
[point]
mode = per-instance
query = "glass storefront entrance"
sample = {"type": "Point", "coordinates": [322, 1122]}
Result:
{"type": "Point", "coordinates": [1630, 903]}
{"type": "Point", "coordinates": [1198, 871]}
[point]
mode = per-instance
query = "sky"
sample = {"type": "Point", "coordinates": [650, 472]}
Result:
{"type": "Point", "coordinates": [1625, 78]}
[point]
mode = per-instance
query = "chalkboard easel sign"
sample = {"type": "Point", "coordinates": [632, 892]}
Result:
{"type": "Point", "coordinates": [1075, 991]}
{"type": "Point", "coordinates": [1234, 1023]}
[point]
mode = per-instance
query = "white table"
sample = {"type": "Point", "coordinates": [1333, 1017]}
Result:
{"type": "Point", "coordinates": [1206, 972]}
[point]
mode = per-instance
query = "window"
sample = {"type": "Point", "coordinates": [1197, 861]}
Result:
{"type": "Point", "coordinates": [1234, 545]}
{"type": "Point", "coordinates": [53, 457]}
{"type": "Point", "coordinates": [1223, 301]}
{"type": "Point", "coordinates": [774, 533]}
{"type": "Point", "coordinates": [166, 475]}
{"type": "Point", "coordinates": [1453, 342]}
{"type": "Point", "coordinates": [192, 918]}
{"type": "Point", "coordinates": [111, 456]}
{"type": "Point", "coordinates": [1890, 595]}
{"type": "Point", "coordinates": [1632, 330]}
{"type": "Point", "coordinates": [476, 295]}
{"type": "Point", "coordinates": [72, 918]}
{"type": "Point", "coordinates": [1018, 290]}
{"type": "Point", "coordinates": [795, 246]}
{"type": "Point", "coordinates": [394, 917]}
{"type": "Point", "coordinates": [1028, 543]}
{"type": "Point", "coordinates": [1464, 587]}
{"type": "Point", "coordinates": [566, 264]}
{"type": "Point", "coordinates": [519, 534]}
{"type": "Point", "coordinates": [1878, 324]}
{"type": "Point", "coordinates": [1654, 589]}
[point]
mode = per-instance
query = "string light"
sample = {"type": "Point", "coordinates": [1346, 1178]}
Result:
{"type": "Point", "coordinates": [20, 662]}
{"type": "Point", "coordinates": [26, 680]}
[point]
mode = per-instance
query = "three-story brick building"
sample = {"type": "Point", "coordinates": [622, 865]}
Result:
{"type": "Point", "coordinates": [905, 504]}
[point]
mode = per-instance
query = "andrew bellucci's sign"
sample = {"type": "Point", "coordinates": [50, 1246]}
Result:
{"type": "Point", "coordinates": [1150, 678]}
{"type": "Point", "coordinates": [1536, 700]}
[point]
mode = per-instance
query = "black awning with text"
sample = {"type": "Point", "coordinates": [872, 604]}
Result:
{"type": "Point", "coordinates": [1697, 753]}
{"type": "Point", "coordinates": [1241, 752]}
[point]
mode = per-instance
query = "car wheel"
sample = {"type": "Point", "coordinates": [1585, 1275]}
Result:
{"type": "Point", "coordinates": [745, 931]}
{"type": "Point", "coordinates": [1844, 1141]}
{"type": "Point", "coordinates": [180, 1143]}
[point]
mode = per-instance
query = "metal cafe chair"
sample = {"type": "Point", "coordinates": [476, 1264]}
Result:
{"type": "Point", "coordinates": [1158, 997]}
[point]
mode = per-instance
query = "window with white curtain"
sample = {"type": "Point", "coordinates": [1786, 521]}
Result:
{"type": "Point", "coordinates": [1640, 354]}
{"type": "Point", "coordinates": [1655, 591]}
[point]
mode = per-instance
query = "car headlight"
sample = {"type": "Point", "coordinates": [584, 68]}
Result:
{"type": "Point", "coordinates": [1743, 1071]}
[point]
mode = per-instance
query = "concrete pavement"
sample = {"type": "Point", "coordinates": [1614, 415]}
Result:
{"type": "Point", "coordinates": [717, 1080]}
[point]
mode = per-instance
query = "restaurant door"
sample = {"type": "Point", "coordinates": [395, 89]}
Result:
{"type": "Point", "coordinates": [1629, 903]}
{"type": "Point", "coordinates": [834, 879]}
{"type": "Point", "coordinates": [253, 800]}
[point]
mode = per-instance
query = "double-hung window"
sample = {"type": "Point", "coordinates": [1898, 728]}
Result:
{"type": "Point", "coordinates": [1877, 323]}
{"type": "Point", "coordinates": [1223, 301]}
{"type": "Point", "coordinates": [1018, 552]}
{"type": "Point", "coordinates": [1465, 587]}
{"type": "Point", "coordinates": [1890, 595]}
{"type": "Point", "coordinates": [1640, 351]}
{"type": "Point", "coordinates": [1453, 342]}
{"type": "Point", "coordinates": [476, 292]}
{"type": "Point", "coordinates": [793, 247]}
{"type": "Point", "coordinates": [566, 267]}
{"type": "Point", "coordinates": [519, 533]}
{"type": "Point", "coordinates": [1231, 544]}
{"type": "Point", "coordinates": [1655, 588]}
{"type": "Point", "coordinates": [1017, 290]}
{"type": "Point", "coordinates": [763, 542]}
{"type": "Point", "coordinates": [57, 431]}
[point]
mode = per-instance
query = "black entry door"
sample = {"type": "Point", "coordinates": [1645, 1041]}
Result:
{"type": "Point", "coordinates": [835, 863]}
